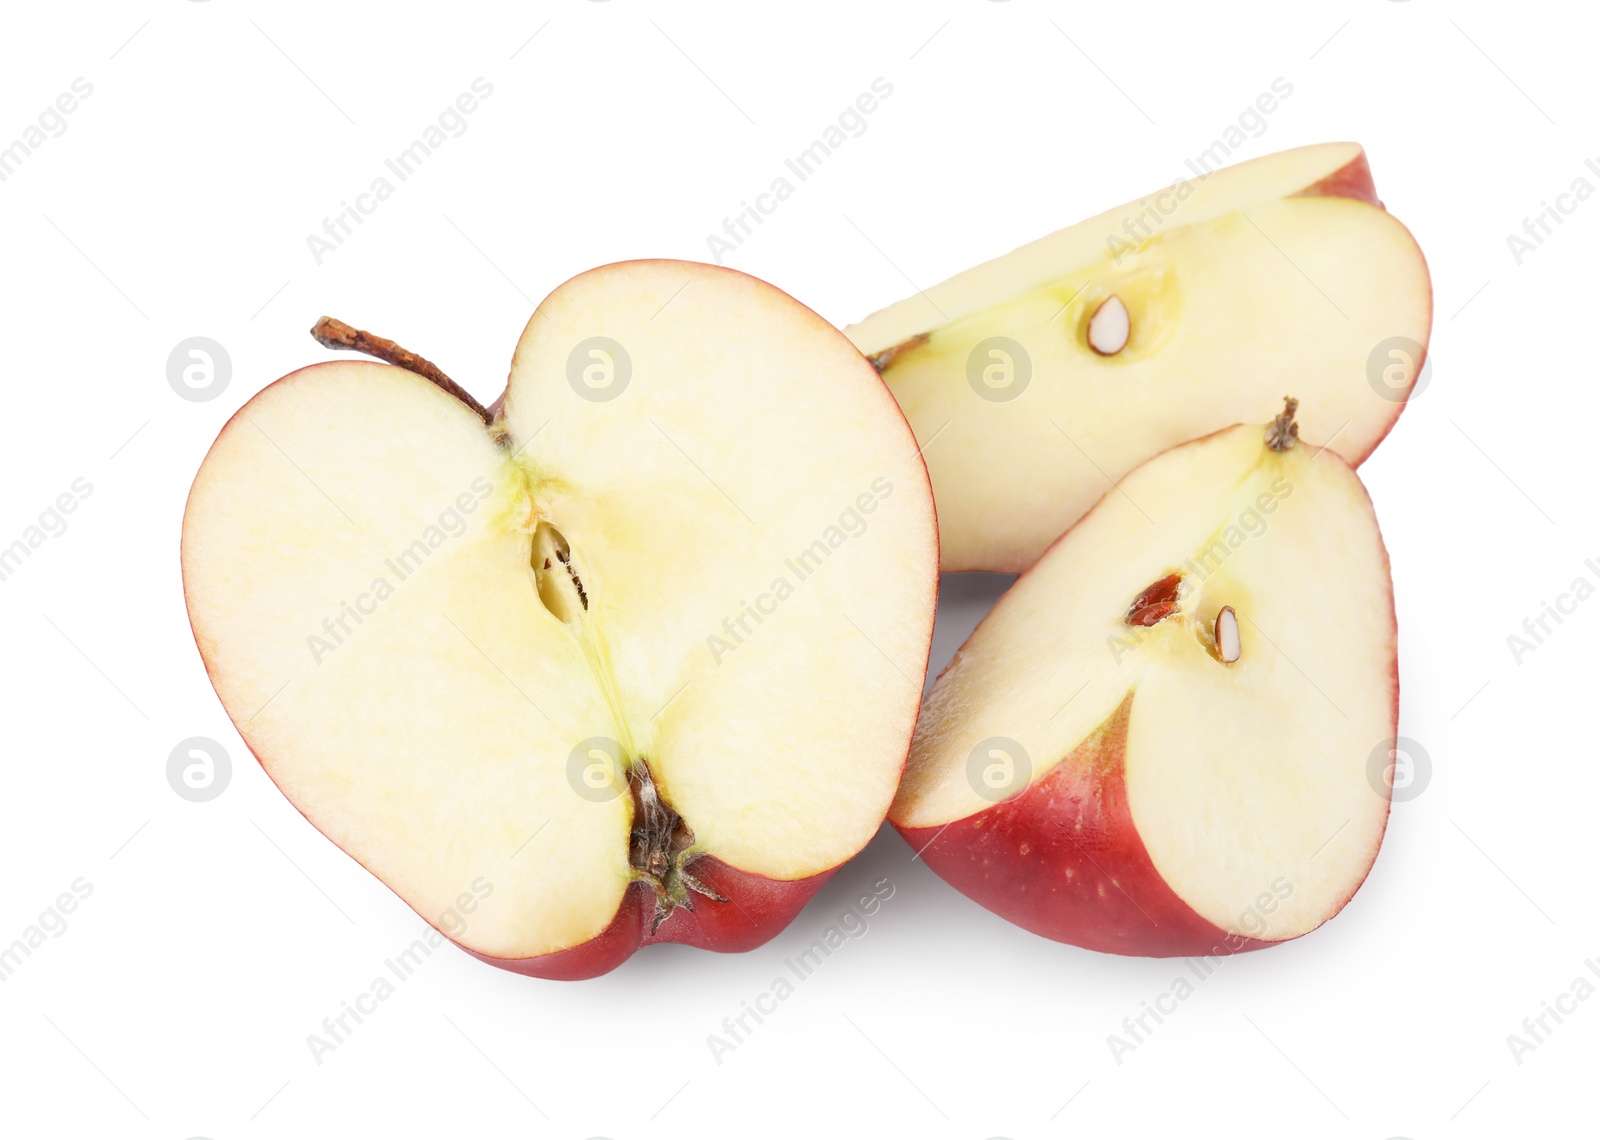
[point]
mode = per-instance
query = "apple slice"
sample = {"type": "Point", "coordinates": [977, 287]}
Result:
{"type": "Point", "coordinates": [636, 662]}
{"type": "Point", "coordinates": [1162, 740]}
{"type": "Point", "coordinates": [1037, 379]}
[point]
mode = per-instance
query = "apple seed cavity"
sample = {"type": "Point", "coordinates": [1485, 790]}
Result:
{"type": "Point", "coordinates": [1109, 327]}
{"type": "Point", "coordinates": [1226, 631]}
{"type": "Point", "coordinates": [660, 842]}
{"type": "Point", "coordinates": [560, 588]}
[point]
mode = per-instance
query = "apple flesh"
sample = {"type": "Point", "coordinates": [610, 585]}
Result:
{"type": "Point", "coordinates": [635, 661]}
{"type": "Point", "coordinates": [1160, 741]}
{"type": "Point", "coordinates": [1036, 380]}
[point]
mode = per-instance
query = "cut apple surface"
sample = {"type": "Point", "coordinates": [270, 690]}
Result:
{"type": "Point", "coordinates": [640, 659]}
{"type": "Point", "coordinates": [1036, 380]}
{"type": "Point", "coordinates": [1160, 741]}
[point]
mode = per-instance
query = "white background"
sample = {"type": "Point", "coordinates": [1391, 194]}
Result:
{"type": "Point", "coordinates": [218, 935]}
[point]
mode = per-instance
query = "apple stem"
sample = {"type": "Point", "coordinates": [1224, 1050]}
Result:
{"type": "Point", "coordinates": [330, 333]}
{"type": "Point", "coordinates": [887, 357]}
{"type": "Point", "coordinates": [1283, 433]}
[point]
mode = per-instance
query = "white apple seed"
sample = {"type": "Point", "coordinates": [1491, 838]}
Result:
{"type": "Point", "coordinates": [1226, 632]}
{"type": "Point", "coordinates": [1109, 327]}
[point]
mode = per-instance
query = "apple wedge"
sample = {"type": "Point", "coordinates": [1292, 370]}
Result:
{"type": "Point", "coordinates": [1167, 737]}
{"type": "Point", "coordinates": [1036, 380]}
{"type": "Point", "coordinates": [635, 659]}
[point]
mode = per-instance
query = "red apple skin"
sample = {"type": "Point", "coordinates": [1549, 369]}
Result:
{"type": "Point", "coordinates": [1063, 859]}
{"type": "Point", "coordinates": [757, 909]}
{"type": "Point", "coordinates": [1352, 180]}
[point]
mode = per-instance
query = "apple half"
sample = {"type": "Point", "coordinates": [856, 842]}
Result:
{"type": "Point", "coordinates": [634, 659]}
{"type": "Point", "coordinates": [1036, 380]}
{"type": "Point", "coordinates": [1161, 741]}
